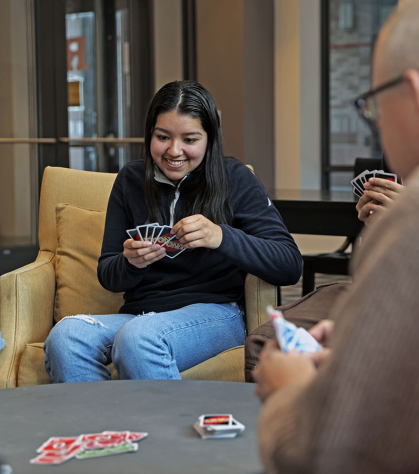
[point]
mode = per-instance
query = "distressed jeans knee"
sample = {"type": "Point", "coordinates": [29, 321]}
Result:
{"type": "Point", "coordinates": [78, 348]}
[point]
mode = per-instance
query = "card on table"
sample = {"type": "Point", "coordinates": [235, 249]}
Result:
{"type": "Point", "coordinates": [85, 446]}
{"type": "Point", "coordinates": [218, 426]}
{"type": "Point", "coordinates": [120, 449]}
{"type": "Point", "coordinates": [57, 457]}
{"type": "Point", "coordinates": [215, 420]}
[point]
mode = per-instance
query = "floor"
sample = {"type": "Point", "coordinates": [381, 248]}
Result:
{"type": "Point", "coordinates": [292, 293]}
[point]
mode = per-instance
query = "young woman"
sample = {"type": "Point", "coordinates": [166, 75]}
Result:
{"type": "Point", "coordinates": [178, 312]}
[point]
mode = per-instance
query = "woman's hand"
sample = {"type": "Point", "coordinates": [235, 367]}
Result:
{"type": "Point", "coordinates": [378, 196]}
{"type": "Point", "coordinates": [277, 370]}
{"type": "Point", "coordinates": [198, 231]}
{"type": "Point", "coordinates": [141, 254]}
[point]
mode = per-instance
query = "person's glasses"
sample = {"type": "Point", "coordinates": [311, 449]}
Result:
{"type": "Point", "coordinates": [366, 104]}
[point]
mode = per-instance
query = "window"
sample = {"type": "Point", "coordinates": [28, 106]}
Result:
{"type": "Point", "coordinates": [350, 28]}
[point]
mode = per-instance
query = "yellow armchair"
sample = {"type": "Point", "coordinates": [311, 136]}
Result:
{"type": "Point", "coordinates": [62, 281]}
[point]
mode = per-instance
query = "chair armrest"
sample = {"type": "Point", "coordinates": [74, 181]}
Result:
{"type": "Point", "coordinates": [258, 294]}
{"type": "Point", "coordinates": [26, 312]}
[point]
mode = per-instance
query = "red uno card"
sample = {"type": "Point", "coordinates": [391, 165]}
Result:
{"type": "Point", "coordinates": [104, 440]}
{"type": "Point", "coordinates": [215, 420]}
{"type": "Point", "coordinates": [57, 457]}
{"type": "Point", "coordinates": [131, 436]}
{"type": "Point", "coordinates": [56, 444]}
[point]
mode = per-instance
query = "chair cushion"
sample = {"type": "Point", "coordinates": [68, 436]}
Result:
{"type": "Point", "coordinates": [32, 367]}
{"type": "Point", "coordinates": [79, 241]}
{"type": "Point", "coordinates": [229, 366]}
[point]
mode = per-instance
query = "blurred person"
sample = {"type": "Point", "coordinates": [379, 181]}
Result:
{"type": "Point", "coordinates": [359, 412]}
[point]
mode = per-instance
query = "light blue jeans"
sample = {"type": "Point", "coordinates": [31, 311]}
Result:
{"type": "Point", "coordinates": [149, 346]}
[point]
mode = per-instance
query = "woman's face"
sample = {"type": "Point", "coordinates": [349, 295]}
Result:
{"type": "Point", "coordinates": [178, 144]}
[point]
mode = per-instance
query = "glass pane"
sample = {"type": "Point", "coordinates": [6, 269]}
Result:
{"type": "Point", "coordinates": [354, 25]}
{"type": "Point", "coordinates": [18, 163]}
{"type": "Point", "coordinates": [341, 181]}
{"type": "Point", "coordinates": [98, 76]}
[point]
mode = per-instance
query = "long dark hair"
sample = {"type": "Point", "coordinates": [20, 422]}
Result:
{"type": "Point", "coordinates": [207, 189]}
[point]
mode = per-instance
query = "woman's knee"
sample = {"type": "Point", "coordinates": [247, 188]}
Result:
{"type": "Point", "coordinates": [68, 329]}
{"type": "Point", "coordinates": [139, 335]}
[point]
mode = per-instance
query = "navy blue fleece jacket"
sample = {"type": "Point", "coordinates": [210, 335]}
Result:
{"type": "Point", "coordinates": [256, 242]}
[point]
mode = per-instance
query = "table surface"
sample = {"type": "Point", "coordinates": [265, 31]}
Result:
{"type": "Point", "coordinates": [312, 195]}
{"type": "Point", "coordinates": [318, 212]}
{"type": "Point", "coordinates": [165, 409]}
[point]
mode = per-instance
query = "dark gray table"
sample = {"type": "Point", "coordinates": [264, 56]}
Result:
{"type": "Point", "coordinates": [165, 409]}
{"type": "Point", "coordinates": [318, 212]}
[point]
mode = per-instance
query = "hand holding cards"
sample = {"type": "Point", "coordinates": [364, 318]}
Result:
{"type": "Point", "coordinates": [218, 426]}
{"type": "Point", "coordinates": [361, 179]}
{"type": "Point", "coordinates": [289, 336]}
{"type": "Point", "coordinates": [158, 235]}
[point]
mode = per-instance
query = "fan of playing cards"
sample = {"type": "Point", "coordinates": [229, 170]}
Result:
{"type": "Point", "coordinates": [289, 336]}
{"type": "Point", "coordinates": [218, 426]}
{"type": "Point", "coordinates": [159, 235]}
{"type": "Point", "coordinates": [86, 446]}
{"type": "Point", "coordinates": [361, 179]}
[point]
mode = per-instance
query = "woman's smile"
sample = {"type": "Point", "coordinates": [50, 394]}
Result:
{"type": "Point", "coordinates": [178, 144]}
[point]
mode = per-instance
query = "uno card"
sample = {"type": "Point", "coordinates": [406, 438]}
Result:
{"type": "Point", "coordinates": [53, 457]}
{"type": "Point", "coordinates": [284, 330]}
{"type": "Point", "coordinates": [142, 231]}
{"type": "Point", "coordinates": [289, 336]}
{"type": "Point", "coordinates": [164, 236]}
{"type": "Point", "coordinates": [358, 182]}
{"type": "Point", "coordinates": [174, 247]}
{"type": "Point", "coordinates": [58, 445]}
{"type": "Point", "coordinates": [120, 449]}
{"type": "Point", "coordinates": [134, 234]}
{"type": "Point", "coordinates": [218, 426]}
{"type": "Point", "coordinates": [104, 440]}
{"type": "Point", "coordinates": [215, 420]}
{"type": "Point", "coordinates": [150, 231]}
{"type": "Point", "coordinates": [368, 175]}
{"type": "Point", "coordinates": [357, 192]}
{"type": "Point", "coordinates": [303, 341]}
{"type": "Point", "coordinates": [389, 176]}
{"type": "Point", "coordinates": [356, 186]}
{"type": "Point", "coordinates": [131, 436]}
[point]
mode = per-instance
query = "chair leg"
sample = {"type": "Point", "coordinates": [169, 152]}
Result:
{"type": "Point", "coordinates": [278, 296]}
{"type": "Point", "coordinates": [308, 278]}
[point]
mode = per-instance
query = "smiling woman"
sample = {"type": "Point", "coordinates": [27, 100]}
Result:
{"type": "Point", "coordinates": [178, 144]}
{"type": "Point", "coordinates": [180, 311]}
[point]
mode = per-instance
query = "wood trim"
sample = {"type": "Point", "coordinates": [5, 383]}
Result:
{"type": "Point", "coordinates": [102, 140]}
{"type": "Point", "coordinates": [25, 141]}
